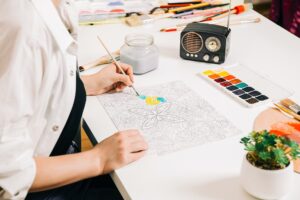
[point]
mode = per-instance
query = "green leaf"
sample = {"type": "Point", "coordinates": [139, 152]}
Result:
{"type": "Point", "coordinates": [280, 156]}
{"type": "Point", "coordinates": [260, 146]}
{"type": "Point", "coordinates": [250, 147]}
{"type": "Point", "coordinates": [270, 139]}
{"type": "Point", "coordinates": [264, 155]}
{"type": "Point", "coordinates": [245, 140]}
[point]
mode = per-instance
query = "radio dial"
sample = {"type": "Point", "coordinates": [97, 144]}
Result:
{"type": "Point", "coordinates": [206, 57]}
{"type": "Point", "coordinates": [213, 44]}
{"type": "Point", "coordinates": [216, 59]}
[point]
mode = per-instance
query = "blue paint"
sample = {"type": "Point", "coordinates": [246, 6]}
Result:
{"type": "Point", "coordinates": [142, 97]}
{"type": "Point", "coordinates": [152, 100]}
{"type": "Point", "coordinates": [161, 99]}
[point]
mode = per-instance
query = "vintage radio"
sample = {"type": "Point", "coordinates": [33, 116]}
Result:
{"type": "Point", "coordinates": [205, 42]}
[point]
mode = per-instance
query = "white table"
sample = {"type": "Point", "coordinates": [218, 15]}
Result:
{"type": "Point", "coordinates": [209, 171]}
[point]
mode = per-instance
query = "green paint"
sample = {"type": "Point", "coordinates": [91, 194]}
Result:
{"type": "Point", "coordinates": [241, 85]}
{"type": "Point", "coordinates": [161, 99]}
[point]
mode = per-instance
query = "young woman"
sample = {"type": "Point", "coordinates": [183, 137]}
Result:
{"type": "Point", "coordinates": [41, 104]}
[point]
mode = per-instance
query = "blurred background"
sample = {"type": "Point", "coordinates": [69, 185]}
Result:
{"type": "Point", "coordinates": [285, 13]}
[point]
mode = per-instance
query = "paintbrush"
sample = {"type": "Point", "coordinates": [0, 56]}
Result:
{"type": "Point", "coordinates": [232, 22]}
{"type": "Point", "coordinates": [101, 61]}
{"type": "Point", "coordinates": [116, 63]}
{"type": "Point", "coordinates": [185, 8]}
{"type": "Point", "coordinates": [287, 111]}
{"type": "Point", "coordinates": [135, 20]}
{"type": "Point", "coordinates": [291, 105]}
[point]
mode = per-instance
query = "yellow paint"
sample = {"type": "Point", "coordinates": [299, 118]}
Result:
{"type": "Point", "coordinates": [223, 73]}
{"type": "Point", "coordinates": [208, 72]}
{"type": "Point", "coordinates": [152, 101]}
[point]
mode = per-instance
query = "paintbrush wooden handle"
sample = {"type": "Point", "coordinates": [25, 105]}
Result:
{"type": "Point", "coordinates": [100, 61]}
{"type": "Point", "coordinates": [287, 111]}
{"type": "Point", "coordinates": [237, 21]}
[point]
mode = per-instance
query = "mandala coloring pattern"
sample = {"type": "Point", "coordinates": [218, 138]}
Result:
{"type": "Point", "coordinates": [184, 120]}
{"type": "Point", "coordinates": [153, 117]}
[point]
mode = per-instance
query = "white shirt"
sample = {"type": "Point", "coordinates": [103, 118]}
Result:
{"type": "Point", "coordinates": [37, 86]}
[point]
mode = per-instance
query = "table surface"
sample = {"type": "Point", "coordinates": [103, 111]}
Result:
{"type": "Point", "coordinates": [209, 171]}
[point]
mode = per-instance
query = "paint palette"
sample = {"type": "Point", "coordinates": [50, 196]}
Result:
{"type": "Point", "coordinates": [152, 100]}
{"type": "Point", "coordinates": [235, 86]}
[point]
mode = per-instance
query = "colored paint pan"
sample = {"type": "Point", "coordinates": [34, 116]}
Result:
{"type": "Point", "coordinates": [235, 86]}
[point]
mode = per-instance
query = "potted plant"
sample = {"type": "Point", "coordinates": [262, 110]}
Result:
{"type": "Point", "coordinates": [267, 171]}
{"type": "Point", "coordinates": [290, 130]}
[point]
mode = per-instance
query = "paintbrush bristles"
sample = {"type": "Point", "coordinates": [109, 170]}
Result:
{"type": "Point", "coordinates": [136, 20]}
{"type": "Point", "coordinates": [287, 102]}
{"type": "Point", "coordinates": [291, 105]}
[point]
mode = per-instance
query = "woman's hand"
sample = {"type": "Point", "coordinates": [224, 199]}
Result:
{"type": "Point", "coordinates": [112, 153]}
{"type": "Point", "coordinates": [119, 149]}
{"type": "Point", "coordinates": [109, 78]}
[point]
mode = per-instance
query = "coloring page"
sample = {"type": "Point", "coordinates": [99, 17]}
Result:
{"type": "Point", "coordinates": [175, 119]}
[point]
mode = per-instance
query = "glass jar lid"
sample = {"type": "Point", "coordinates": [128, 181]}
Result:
{"type": "Point", "coordinates": [139, 40]}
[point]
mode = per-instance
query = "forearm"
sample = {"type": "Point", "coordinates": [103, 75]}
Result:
{"type": "Point", "coordinates": [53, 172]}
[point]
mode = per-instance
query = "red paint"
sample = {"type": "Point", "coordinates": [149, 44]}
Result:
{"type": "Point", "coordinates": [226, 84]}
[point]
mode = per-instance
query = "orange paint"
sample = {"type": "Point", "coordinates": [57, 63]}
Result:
{"type": "Point", "coordinates": [214, 76]}
{"type": "Point", "coordinates": [235, 81]}
{"type": "Point", "coordinates": [230, 77]}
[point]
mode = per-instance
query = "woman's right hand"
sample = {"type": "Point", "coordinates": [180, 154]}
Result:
{"type": "Point", "coordinates": [119, 150]}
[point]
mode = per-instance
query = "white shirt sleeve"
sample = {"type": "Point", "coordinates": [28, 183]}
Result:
{"type": "Point", "coordinates": [69, 15]}
{"type": "Point", "coordinates": [20, 78]}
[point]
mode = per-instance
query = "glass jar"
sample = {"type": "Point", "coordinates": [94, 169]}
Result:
{"type": "Point", "coordinates": [140, 52]}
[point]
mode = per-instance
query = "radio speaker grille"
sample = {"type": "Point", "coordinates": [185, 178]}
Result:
{"type": "Point", "coordinates": [192, 42]}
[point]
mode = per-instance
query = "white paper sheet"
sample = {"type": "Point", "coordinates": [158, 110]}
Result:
{"type": "Point", "coordinates": [185, 120]}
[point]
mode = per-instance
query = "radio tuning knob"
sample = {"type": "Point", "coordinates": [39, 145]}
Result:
{"type": "Point", "coordinates": [206, 57]}
{"type": "Point", "coordinates": [216, 59]}
{"type": "Point", "coordinates": [213, 44]}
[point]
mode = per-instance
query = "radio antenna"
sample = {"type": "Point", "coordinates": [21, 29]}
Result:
{"type": "Point", "coordinates": [229, 13]}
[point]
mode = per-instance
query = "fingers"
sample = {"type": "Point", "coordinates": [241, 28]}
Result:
{"type": "Point", "coordinates": [128, 70]}
{"type": "Point", "coordinates": [134, 141]}
{"type": "Point", "coordinates": [119, 87]}
{"type": "Point", "coordinates": [123, 79]}
{"type": "Point", "coordinates": [137, 155]}
{"type": "Point", "coordinates": [138, 146]}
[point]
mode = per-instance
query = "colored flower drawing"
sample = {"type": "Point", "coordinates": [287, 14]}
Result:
{"type": "Point", "coordinates": [154, 116]}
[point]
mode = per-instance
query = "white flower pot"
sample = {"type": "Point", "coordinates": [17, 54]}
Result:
{"type": "Point", "coordinates": [266, 184]}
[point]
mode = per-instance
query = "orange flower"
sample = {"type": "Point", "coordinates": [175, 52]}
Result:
{"type": "Point", "coordinates": [295, 125]}
{"type": "Point", "coordinates": [277, 132]}
{"type": "Point", "coordinates": [289, 129]}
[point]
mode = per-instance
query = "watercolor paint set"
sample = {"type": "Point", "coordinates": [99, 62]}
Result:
{"type": "Point", "coordinates": [244, 85]}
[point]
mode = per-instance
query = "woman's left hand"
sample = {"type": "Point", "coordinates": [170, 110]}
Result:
{"type": "Point", "coordinates": [109, 78]}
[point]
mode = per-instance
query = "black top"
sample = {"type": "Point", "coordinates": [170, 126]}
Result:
{"type": "Point", "coordinates": [73, 125]}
